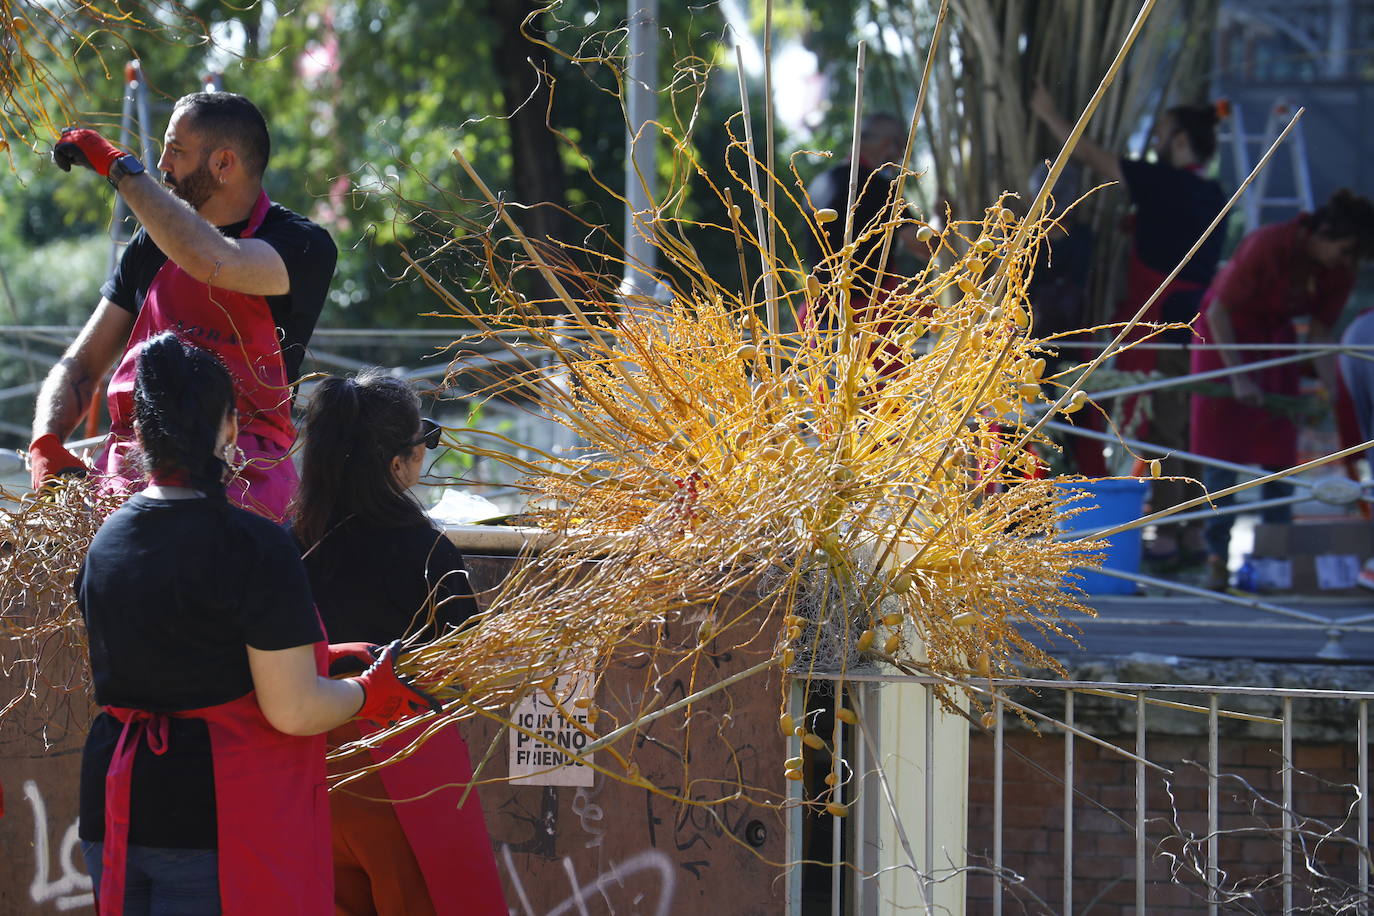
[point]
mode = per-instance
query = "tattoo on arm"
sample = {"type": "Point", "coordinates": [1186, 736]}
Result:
{"type": "Point", "coordinates": [80, 385]}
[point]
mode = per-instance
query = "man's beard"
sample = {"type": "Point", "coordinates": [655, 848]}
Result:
{"type": "Point", "coordinates": [195, 188]}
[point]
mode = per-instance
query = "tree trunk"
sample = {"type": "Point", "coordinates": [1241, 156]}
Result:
{"type": "Point", "coordinates": [537, 178]}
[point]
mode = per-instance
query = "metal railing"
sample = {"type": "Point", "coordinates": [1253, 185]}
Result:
{"type": "Point", "coordinates": [1208, 703]}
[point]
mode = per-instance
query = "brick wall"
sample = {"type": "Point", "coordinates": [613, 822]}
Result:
{"type": "Point", "coordinates": [1104, 846]}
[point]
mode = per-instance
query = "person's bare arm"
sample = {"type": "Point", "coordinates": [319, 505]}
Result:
{"type": "Point", "coordinates": [67, 392]}
{"type": "Point", "coordinates": [1223, 333]}
{"type": "Point", "coordinates": [1100, 160]}
{"type": "Point", "coordinates": [244, 265]}
{"type": "Point", "coordinates": [294, 698]}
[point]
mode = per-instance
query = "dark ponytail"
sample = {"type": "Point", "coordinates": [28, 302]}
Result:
{"type": "Point", "coordinates": [1199, 125]}
{"type": "Point", "coordinates": [353, 428]}
{"type": "Point", "coordinates": [182, 395]}
{"type": "Point", "coordinates": [1346, 215]}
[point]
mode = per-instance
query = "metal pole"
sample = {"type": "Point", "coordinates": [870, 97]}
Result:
{"type": "Point", "coordinates": [1213, 812]}
{"type": "Point", "coordinates": [1068, 803]}
{"type": "Point", "coordinates": [641, 107]}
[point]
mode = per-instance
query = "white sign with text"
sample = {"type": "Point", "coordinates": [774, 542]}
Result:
{"type": "Point", "coordinates": [540, 745]}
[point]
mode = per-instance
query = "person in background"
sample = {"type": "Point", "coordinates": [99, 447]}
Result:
{"type": "Point", "coordinates": [1304, 268]}
{"type": "Point", "coordinates": [1174, 203]}
{"type": "Point", "coordinates": [202, 777]}
{"type": "Point", "coordinates": [215, 260]}
{"type": "Point", "coordinates": [380, 571]}
{"type": "Point", "coordinates": [882, 141]}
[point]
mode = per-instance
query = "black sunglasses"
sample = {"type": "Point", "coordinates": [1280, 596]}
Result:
{"type": "Point", "coordinates": [430, 432]}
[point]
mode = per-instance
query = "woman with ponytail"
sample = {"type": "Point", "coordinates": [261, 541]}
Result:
{"type": "Point", "coordinates": [1304, 268]}
{"type": "Point", "coordinates": [381, 571]}
{"type": "Point", "coordinates": [202, 778]}
{"type": "Point", "coordinates": [1174, 203]}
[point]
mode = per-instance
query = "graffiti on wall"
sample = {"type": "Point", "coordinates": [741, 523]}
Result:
{"type": "Point", "coordinates": [71, 889]}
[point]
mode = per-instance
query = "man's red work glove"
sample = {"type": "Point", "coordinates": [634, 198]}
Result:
{"type": "Point", "coordinates": [351, 657]}
{"type": "Point", "coordinates": [79, 146]}
{"type": "Point", "coordinates": [48, 458]}
{"type": "Point", "coordinates": [386, 697]}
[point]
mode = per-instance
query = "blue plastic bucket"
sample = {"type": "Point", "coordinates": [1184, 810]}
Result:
{"type": "Point", "coordinates": [1108, 503]}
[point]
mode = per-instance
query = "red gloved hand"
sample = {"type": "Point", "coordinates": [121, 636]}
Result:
{"type": "Point", "coordinates": [351, 657]}
{"type": "Point", "coordinates": [79, 146]}
{"type": "Point", "coordinates": [48, 458]}
{"type": "Point", "coordinates": [386, 697]}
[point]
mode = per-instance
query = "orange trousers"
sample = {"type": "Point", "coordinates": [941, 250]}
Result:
{"type": "Point", "coordinates": [375, 871]}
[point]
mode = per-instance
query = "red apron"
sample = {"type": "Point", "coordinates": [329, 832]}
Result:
{"type": "Point", "coordinates": [1141, 282]}
{"type": "Point", "coordinates": [450, 843]}
{"type": "Point", "coordinates": [240, 329]}
{"type": "Point", "coordinates": [273, 816]}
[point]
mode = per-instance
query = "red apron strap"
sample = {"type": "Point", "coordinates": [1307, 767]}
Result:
{"type": "Point", "coordinates": [118, 789]}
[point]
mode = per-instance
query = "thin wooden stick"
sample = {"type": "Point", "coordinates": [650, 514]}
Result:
{"type": "Point", "coordinates": [770, 281]}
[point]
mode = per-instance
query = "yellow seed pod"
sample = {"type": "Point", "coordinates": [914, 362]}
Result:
{"type": "Point", "coordinates": [1156, 468]}
{"type": "Point", "coordinates": [813, 741]}
{"type": "Point", "coordinates": [892, 644]}
{"type": "Point", "coordinates": [747, 351]}
{"type": "Point", "coordinates": [792, 763]}
{"type": "Point", "coordinates": [984, 665]}
{"type": "Point", "coordinates": [966, 285]}
{"type": "Point", "coordinates": [826, 215]}
{"type": "Point", "coordinates": [835, 809]}
{"type": "Point", "coordinates": [582, 702]}
{"type": "Point", "coordinates": [1029, 391]}
{"type": "Point", "coordinates": [1076, 402]}
{"type": "Point", "coordinates": [866, 640]}
{"type": "Point", "coordinates": [1037, 368]}
{"type": "Point", "coordinates": [794, 775]}
{"type": "Point", "coordinates": [788, 657]}
{"type": "Point", "coordinates": [906, 340]}
{"type": "Point", "coordinates": [967, 557]}
{"type": "Point", "coordinates": [975, 265]}
{"type": "Point", "coordinates": [786, 723]}
{"type": "Point", "coordinates": [1019, 316]}
{"type": "Point", "coordinates": [799, 731]}
{"type": "Point", "coordinates": [735, 210]}
{"type": "Point", "coordinates": [925, 234]}
{"type": "Point", "coordinates": [727, 463]}
{"type": "Point", "coordinates": [593, 713]}
{"type": "Point", "coordinates": [770, 454]}
{"type": "Point", "coordinates": [794, 632]}
{"type": "Point", "coordinates": [1006, 215]}
{"type": "Point", "coordinates": [985, 244]}
{"type": "Point", "coordinates": [901, 584]}
{"type": "Point", "coordinates": [846, 715]}
{"type": "Point", "coordinates": [1001, 406]}
{"type": "Point", "coordinates": [19, 24]}
{"type": "Point", "coordinates": [995, 315]}
{"type": "Point", "coordinates": [989, 719]}
{"type": "Point", "coordinates": [831, 779]}
{"type": "Point", "coordinates": [813, 286]}
{"type": "Point", "coordinates": [964, 619]}
{"type": "Point", "coordinates": [894, 619]}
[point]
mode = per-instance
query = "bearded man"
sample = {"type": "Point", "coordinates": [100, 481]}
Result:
{"type": "Point", "coordinates": [216, 261]}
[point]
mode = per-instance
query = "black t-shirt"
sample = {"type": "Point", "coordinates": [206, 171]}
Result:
{"type": "Point", "coordinates": [376, 584]}
{"type": "Point", "coordinates": [172, 591]}
{"type": "Point", "coordinates": [1172, 208]}
{"type": "Point", "coordinates": [305, 248]}
{"type": "Point", "coordinates": [872, 208]}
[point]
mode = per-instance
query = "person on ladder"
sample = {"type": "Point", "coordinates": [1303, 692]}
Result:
{"type": "Point", "coordinates": [214, 259]}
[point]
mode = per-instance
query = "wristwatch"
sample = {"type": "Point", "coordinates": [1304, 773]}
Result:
{"type": "Point", "coordinates": [127, 164]}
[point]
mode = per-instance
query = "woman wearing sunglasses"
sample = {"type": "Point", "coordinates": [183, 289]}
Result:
{"type": "Point", "coordinates": [202, 777]}
{"type": "Point", "coordinates": [379, 569]}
